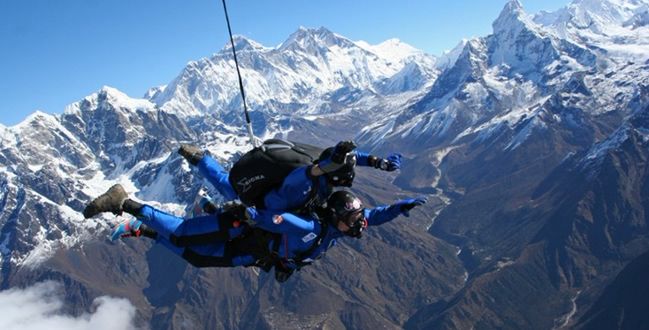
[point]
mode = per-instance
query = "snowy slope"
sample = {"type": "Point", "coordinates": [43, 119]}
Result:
{"type": "Point", "coordinates": [615, 26]}
{"type": "Point", "coordinates": [51, 165]}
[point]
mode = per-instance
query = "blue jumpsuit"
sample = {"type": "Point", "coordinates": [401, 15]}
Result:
{"type": "Point", "coordinates": [298, 235]}
{"type": "Point", "coordinates": [206, 238]}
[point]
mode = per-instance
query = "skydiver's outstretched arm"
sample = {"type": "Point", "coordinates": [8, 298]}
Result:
{"type": "Point", "coordinates": [340, 155]}
{"type": "Point", "coordinates": [382, 214]}
{"type": "Point", "coordinates": [390, 163]}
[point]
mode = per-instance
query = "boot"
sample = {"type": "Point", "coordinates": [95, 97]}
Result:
{"type": "Point", "coordinates": [110, 201]}
{"type": "Point", "coordinates": [192, 153]}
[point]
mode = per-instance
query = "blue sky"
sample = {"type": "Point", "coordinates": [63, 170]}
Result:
{"type": "Point", "coordinates": [55, 52]}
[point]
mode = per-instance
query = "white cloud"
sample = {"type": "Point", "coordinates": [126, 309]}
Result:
{"type": "Point", "coordinates": [39, 307]}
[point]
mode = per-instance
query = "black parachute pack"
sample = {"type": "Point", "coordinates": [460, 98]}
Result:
{"type": "Point", "coordinates": [265, 167]}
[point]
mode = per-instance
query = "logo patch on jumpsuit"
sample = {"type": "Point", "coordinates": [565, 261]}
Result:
{"type": "Point", "coordinates": [309, 237]}
{"type": "Point", "coordinates": [277, 219]}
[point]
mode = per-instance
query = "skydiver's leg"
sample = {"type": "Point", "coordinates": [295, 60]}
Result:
{"type": "Point", "coordinates": [217, 176]}
{"type": "Point", "coordinates": [185, 232]}
{"type": "Point", "coordinates": [198, 230]}
{"type": "Point", "coordinates": [210, 168]}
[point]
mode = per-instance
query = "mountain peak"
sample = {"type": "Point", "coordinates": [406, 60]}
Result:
{"type": "Point", "coordinates": [512, 9]}
{"type": "Point", "coordinates": [112, 96]}
{"type": "Point", "coordinates": [513, 5]}
{"type": "Point", "coordinates": [510, 17]}
{"type": "Point", "coordinates": [307, 38]}
{"type": "Point", "coordinates": [519, 42]}
{"type": "Point", "coordinates": [37, 115]}
{"type": "Point", "coordinates": [110, 91]}
{"type": "Point", "coordinates": [449, 57]}
{"type": "Point", "coordinates": [241, 43]}
{"type": "Point", "coordinates": [393, 49]}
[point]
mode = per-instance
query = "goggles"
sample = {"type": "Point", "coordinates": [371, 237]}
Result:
{"type": "Point", "coordinates": [356, 222]}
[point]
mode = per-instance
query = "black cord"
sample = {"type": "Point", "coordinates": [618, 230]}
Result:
{"type": "Point", "coordinates": [236, 63]}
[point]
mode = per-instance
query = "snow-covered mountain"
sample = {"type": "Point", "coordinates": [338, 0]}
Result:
{"type": "Point", "coordinates": [616, 27]}
{"type": "Point", "coordinates": [519, 138]}
{"type": "Point", "coordinates": [535, 133]}
{"type": "Point", "coordinates": [52, 165]}
{"type": "Point", "coordinates": [504, 79]}
{"type": "Point", "coordinates": [309, 73]}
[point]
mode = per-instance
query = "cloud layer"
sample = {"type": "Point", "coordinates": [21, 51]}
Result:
{"type": "Point", "coordinates": [39, 307]}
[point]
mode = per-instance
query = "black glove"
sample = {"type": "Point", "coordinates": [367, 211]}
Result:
{"type": "Point", "coordinates": [191, 153]}
{"type": "Point", "coordinates": [392, 163]}
{"type": "Point", "coordinates": [234, 213]}
{"type": "Point", "coordinates": [341, 150]}
{"type": "Point", "coordinates": [282, 272]}
{"type": "Point", "coordinates": [408, 204]}
{"type": "Point", "coordinates": [341, 156]}
{"type": "Point", "coordinates": [207, 205]}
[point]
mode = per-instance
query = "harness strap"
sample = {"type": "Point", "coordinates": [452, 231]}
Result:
{"type": "Point", "coordinates": [200, 261]}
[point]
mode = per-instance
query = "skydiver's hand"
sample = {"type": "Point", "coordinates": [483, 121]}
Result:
{"type": "Point", "coordinates": [236, 209]}
{"type": "Point", "coordinates": [408, 204]}
{"type": "Point", "coordinates": [341, 156]}
{"type": "Point", "coordinates": [392, 163]}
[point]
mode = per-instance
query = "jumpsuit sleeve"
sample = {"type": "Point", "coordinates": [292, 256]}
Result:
{"type": "Point", "coordinates": [381, 214]}
{"type": "Point", "coordinates": [217, 176]}
{"type": "Point", "coordinates": [362, 158]}
{"type": "Point", "coordinates": [282, 223]}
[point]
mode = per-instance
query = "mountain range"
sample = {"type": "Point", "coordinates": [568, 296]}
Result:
{"type": "Point", "coordinates": [531, 144]}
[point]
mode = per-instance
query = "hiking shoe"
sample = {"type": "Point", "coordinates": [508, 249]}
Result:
{"type": "Point", "coordinates": [110, 201]}
{"type": "Point", "coordinates": [127, 228]}
{"type": "Point", "coordinates": [191, 153]}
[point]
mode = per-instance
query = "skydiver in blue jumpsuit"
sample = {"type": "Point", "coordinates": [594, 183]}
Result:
{"type": "Point", "coordinates": [303, 238]}
{"type": "Point", "coordinates": [206, 229]}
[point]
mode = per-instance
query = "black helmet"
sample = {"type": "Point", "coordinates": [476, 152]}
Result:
{"type": "Point", "coordinates": [342, 177]}
{"type": "Point", "coordinates": [346, 207]}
